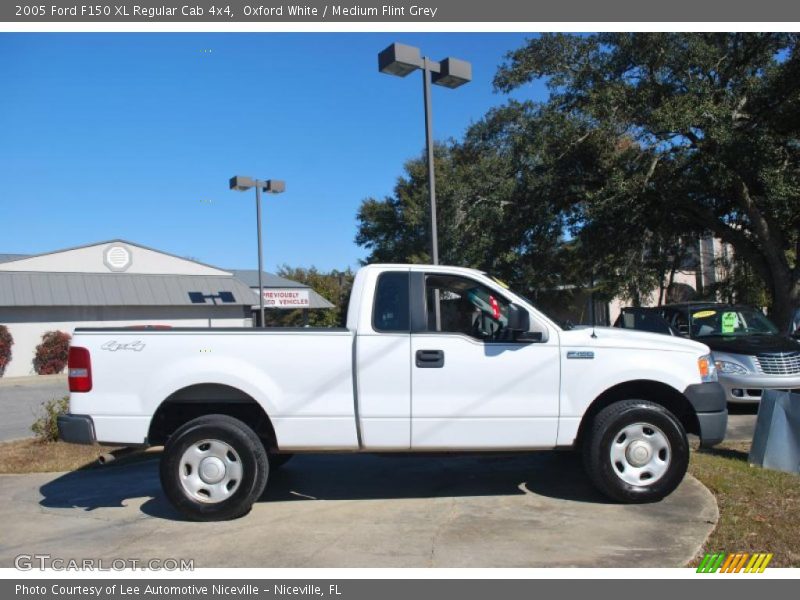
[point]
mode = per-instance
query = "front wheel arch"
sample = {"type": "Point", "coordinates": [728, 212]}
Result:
{"type": "Point", "coordinates": [653, 391]}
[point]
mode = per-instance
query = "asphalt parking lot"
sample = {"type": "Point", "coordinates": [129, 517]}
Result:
{"type": "Point", "coordinates": [525, 510]}
{"type": "Point", "coordinates": [21, 399]}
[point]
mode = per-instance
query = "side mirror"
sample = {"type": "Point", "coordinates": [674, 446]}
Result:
{"type": "Point", "coordinates": [530, 336]}
{"type": "Point", "coordinates": [518, 318]}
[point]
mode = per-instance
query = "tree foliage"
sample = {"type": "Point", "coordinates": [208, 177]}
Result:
{"type": "Point", "coordinates": [6, 342]}
{"type": "Point", "coordinates": [52, 354]}
{"type": "Point", "coordinates": [714, 120]}
{"type": "Point", "coordinates": [334, 286]}
{"type": "Point", "coordinates": [646, 140]}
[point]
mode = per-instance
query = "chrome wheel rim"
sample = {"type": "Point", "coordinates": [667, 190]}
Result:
{"type": "Point", "coordinates": [640, 454]}
{"type": "Point", "coordinates": [210, 471]}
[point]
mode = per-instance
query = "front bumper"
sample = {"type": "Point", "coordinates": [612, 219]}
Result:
{"type": "Point", "coordinates": [751, 387]}
{"type": "Point", "coordinates": [76, 429]}
{"type": "Point", "coordinates": [710, 405]}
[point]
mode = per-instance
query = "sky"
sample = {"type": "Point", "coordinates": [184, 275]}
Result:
{"type": "Point", "coordinates": [135, 136]}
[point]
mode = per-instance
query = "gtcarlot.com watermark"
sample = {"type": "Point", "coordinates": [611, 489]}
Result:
{"type": "Point", "coordinates": [44, 562]}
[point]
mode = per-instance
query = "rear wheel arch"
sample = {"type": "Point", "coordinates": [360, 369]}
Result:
{"type": "Point", "coordinates": [202, 399]}
{"type": "Point", "coordinates": [644, 389]}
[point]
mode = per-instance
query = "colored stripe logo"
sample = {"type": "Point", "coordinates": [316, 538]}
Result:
{"type": "Point", "coordinates": [738, 562]}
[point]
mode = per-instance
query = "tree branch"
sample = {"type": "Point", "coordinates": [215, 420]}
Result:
{"type": "Point", "coordinates": [769, 234]}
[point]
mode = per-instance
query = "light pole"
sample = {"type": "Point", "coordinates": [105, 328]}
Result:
{"type": "Point", "coordinates": [400, 60]}
{"type": "Point", "coordinates": [271, 186]}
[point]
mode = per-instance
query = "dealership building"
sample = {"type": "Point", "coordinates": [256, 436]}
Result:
{"type": "Point", "coordinates": [121, 283]}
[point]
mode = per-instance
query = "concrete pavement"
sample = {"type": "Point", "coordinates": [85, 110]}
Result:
{"type": "Point", "coordinates": [518, 510]}
{"type": "Point", "coordinates": [741, 422]}
{"type": "Point", "coordinates": [21, 399]}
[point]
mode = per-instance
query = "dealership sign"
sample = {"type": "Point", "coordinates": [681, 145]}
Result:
{"type": "Point", "coordinates": [286, 298]}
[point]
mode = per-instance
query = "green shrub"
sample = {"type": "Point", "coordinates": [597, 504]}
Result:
{"type": "Point", "coordinates": [45, 427]}
{"type": "Point", "coordinates": [52, 354]}
{"type": "Point", "coordinates": [6, 341]}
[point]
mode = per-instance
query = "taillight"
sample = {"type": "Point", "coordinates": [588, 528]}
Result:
{"type": "Point", "coordinates": [79, 366]}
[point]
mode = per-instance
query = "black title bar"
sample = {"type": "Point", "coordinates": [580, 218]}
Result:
{"type": "Point", "coordinates": [461, 11]}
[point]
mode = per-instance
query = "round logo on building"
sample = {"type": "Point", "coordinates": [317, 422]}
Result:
{"type": "Point", "coordinates": [117, 257]}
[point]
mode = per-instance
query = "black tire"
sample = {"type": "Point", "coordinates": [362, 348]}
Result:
{"type": "Point", "coordinates": [607, 429]}
{"type": "Point", "coordinates": [254, 467]}
{"type": "Point", "coordinates": [277, 460]}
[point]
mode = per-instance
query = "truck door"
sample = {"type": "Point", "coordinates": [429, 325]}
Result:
{"type": "Point", "coordinates": [382, 364]}
{"type": "Point", "coordinates": [473, 386]}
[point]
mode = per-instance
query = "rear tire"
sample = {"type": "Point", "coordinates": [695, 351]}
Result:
{"type": "Point", "coordinates": [636, 451]}
{"type": "Point", "coordinates": [213, 468]}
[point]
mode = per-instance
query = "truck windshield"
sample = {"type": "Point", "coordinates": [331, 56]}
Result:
{"type": "Point", "coordinates": [729, 321]}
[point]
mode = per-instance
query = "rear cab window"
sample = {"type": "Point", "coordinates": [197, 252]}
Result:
{"type": "Point", "coordinates": [391, 310]}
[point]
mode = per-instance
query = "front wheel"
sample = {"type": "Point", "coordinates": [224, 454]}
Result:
{"type": "Point", "coordinates": [213, 468]}
{"type": "Point", "coordinates": [636, 451]}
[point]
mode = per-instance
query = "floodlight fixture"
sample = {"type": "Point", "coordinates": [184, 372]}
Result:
{"type": "Point", "coordinates": [270, 186]}
{"type": "Point", "coordinates": [400, 60]}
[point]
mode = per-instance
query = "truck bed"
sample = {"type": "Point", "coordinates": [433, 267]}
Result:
{"type": "Point", "coordinates": [303, 377]}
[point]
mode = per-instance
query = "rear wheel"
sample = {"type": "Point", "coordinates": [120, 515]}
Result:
{"type": "Point", "coordinates": [214, 468]}
{"type": "Point", "coordinates": [636, 451]}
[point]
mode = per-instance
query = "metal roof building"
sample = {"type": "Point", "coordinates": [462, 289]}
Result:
{"type": "Point", "coordinates": [121, 283]}
{"type": "Point", "coordinates": [113, 289]}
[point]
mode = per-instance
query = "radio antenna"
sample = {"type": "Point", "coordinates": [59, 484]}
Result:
{"type": "Point", "coordinates": [591, 302]}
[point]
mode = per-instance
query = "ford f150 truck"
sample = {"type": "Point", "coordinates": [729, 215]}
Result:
{"type": "Point", "coordinates": [432, 359]}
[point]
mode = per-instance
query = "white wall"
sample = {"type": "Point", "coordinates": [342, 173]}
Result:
{"type": "Point", "coordinates": [29, 323]}
{"type": "Point", "coordinates": [91, 260]}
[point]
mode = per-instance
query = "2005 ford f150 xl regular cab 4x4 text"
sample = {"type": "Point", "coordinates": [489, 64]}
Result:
{"type": "Point", "coordinates": [432, 359]}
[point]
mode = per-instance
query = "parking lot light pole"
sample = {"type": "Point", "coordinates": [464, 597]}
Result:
{"type": "Point", "coordinates": [271, 186]}
{"type": "Point", "coordinates": [400, 60]}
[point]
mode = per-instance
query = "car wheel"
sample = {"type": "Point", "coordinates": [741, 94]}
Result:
{"type": "Point", "coordinates": [636, 451]}
{"type": "Point", "coordinates": [213, 468]}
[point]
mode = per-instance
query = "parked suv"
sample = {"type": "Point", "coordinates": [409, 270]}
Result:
{"type": "Point", "coordinates": [750, 353]}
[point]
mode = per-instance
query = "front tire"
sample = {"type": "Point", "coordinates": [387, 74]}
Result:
{"type": "Point", "coordinates": [636, 451]}
{"type": "Point", "coordinates": [214, 468]}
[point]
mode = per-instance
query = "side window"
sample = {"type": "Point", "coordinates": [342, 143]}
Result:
{"type": "Point", "coordinates": [465, 306]}
{"type": "Point", "coordinates": [645, 320]}
{"type": "Point", "coordinates": [391, 309]}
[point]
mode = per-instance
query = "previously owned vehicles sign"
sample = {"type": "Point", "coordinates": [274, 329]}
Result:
{"type": "Point", "coordinates": [286, 298]}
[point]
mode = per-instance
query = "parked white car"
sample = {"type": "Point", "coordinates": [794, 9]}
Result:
{"type": "Point", "coordinates": [432, 359]}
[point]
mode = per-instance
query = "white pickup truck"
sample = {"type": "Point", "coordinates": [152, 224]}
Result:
{"type": "Point", "coordinates": [432, 359]}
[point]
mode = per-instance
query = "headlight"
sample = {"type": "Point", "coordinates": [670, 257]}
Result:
{"type": "Point", "coordinates": [730, 368]}
{"type": "Point", "coordinates": [708, 372]}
